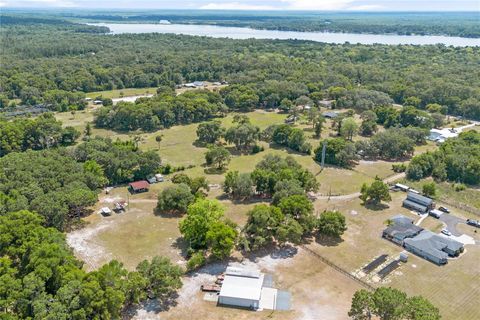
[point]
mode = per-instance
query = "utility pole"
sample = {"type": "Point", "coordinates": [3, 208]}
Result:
{"type": "Point", "coordinates": [324, 150]}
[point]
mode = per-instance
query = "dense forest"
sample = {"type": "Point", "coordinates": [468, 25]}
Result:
{"type": "Point", "coordinates": [457, 160]}
{"type": "Point", "coordinates": [61, 184]}
{"type": "Point", "coordinates": [42, 57]}
{"type": "Point", "coordinates": [41, 279]}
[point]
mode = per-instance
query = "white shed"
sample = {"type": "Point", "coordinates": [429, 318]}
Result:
{"type": "Point", "coordinates": [241, 288]}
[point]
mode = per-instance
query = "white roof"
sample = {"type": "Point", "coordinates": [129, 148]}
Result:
{"type": "Point", "coordinates": [106, 210]}
{"type": "Point", "coordinates": [242, 284]}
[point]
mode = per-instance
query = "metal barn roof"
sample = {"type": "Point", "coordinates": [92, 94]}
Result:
{"type": "Point", "coordinates": [242, 284]}
{"type": "Point", "coordinates": [426, 201]}
{"type": "Point", "coordinates": [414, 205]}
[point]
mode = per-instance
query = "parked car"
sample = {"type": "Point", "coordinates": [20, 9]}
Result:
{"type": "Point", "coordinates": [446, 210]}
{"type": "Point", "coordinates": [474, 223]}
{"type": "Point", "coordinates": [446, 232]}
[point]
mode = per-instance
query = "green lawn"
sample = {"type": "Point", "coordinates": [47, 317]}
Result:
{"type": "Point", "coordinates": [116, 93]}
{"type": "Point", "coordinates": [446, 192]}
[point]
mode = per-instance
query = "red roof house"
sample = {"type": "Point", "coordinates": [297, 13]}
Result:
{"type": "Point", "coordinates": [139, 186]}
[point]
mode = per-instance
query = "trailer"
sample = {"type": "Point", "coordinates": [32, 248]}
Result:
{"type": "Point", "coordinates": [210, 288]}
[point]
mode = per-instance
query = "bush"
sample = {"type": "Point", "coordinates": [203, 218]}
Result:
{"type": "Point", "coordinates": [429, 189]}
{"type": "Point", "coordinates": [399, 167]}
{"type": "Point", "coordinates": [459, 187]}
{"type": "Point", "coordinates": [257, 148]}
{"type": "Point", "coordinates": [196, 261]}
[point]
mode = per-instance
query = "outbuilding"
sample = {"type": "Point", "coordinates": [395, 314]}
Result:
{"type": "Point", "coordinates": [330, 114]}
{"type": "Point", "coordinates": [139, 186]}
{"type": "Point", "coordinates": [241, 288]}
{"type": "Point", "coordinates": [418, 202]}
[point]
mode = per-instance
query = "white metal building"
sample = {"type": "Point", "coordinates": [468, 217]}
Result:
{"type": "Point", "coordinates": [241, 288]}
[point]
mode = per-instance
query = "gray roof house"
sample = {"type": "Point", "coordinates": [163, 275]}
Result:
{"type": "Point", "coordinates": [433, 247]}
{"type": "Point", "coordinates": [330, 114]}
{"type": "Point", "coordinates": [401, 229]}
{"type": "Point", "coordinates": [418, 202]}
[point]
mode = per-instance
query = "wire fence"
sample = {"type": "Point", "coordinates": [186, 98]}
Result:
{"type": "Point", "coordinates": [460, 206]}
{"type": "Point", "coordinates": [339, 269]}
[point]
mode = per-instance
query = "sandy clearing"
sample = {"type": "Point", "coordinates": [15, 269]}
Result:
{"type": "Point", "coordinates": [88, 250]}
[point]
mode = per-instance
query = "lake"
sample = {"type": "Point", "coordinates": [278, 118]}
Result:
{"type": "Point", "coordinates": [248, 33]}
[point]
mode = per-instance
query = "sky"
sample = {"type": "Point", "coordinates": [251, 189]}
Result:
{"type": "Point", "coordinates": [334, 5]}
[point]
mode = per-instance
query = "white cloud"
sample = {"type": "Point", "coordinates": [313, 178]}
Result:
{"type": "Point", "coordinates": [235, 6]}
{"type": "Point", "coordinates": [367, 7]}
{"type": "Point", "coordinates": [317, 4]}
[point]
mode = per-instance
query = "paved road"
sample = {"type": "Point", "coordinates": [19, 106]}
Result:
{"type": "Point", "coordinates": [451, 221]}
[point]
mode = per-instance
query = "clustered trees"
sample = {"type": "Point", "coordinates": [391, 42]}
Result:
{"type": "Point", "coordinates": [60, 184]}
{"type": "Point", "coordinates": [290, 221]}
{"type": "Point", "coordinates": [286, 135]}
{"type": "Point", "coordinates": [391, 304]}
{"type": "Point", "coordinates": [41, 279]}
{"type": "Point", "coordinates": [458, 160]}
{"type": "Point", "coordinates": [162, 111]}
{"type": "Point", "coordinates": [210, 132]}
{"type": "Point", "coordinates": [274, 176]}
{"type": "Point", "coordinates": [121, 161]}
{"type": "Point", "coordinates": [375, 193]}
{"type": "Point", "coordinates": [207, 233]}
{"type": "Point", "coordinates": [42, 132]}
{"type": "Point", "coordinates": [243, 134]}
{"type": "Point", "coordinates": [183, 192]}
{"type": "Point", "coordinates": [391, 144]}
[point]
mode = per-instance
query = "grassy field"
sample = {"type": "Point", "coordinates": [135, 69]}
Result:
{"type": "Point", "coordinates": [453, 288]}
{"type": "Point", "coordinates": [117, 93]}
{"type": "Point", "coordinates": [140, 234]}
{"type": "Point", "coordinates": [446, 192]}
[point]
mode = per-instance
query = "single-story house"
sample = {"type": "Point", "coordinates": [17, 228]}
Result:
{"type": "Point", "coordinates": [189, 85]}
{"type": "Point", "coordinates": [241, 288]}
{"type": "Point", "coordinates": [400, 229]}
{"type": "Point", "coordinates": [433, 247]}
{"type": "Point", "coordinates": [418, 202]}
{"type": "Point", "coordinates": [440, 135]}
{"type": "Point", "coordinates": [198, 83]}
{"type": "Point", "coordinates": [97, 102]}
{"type": "Point", "coordinates": [326, 103]}
{"type": "Point", "coordinates": [330, 114]}
{"type": "Point", "coordinates": [139, 186]}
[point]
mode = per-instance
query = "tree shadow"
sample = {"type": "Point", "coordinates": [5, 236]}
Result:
{"type": "Point", "coordinates": [328, 241]}
{"type": "Point", "coordinates": [168, 215]}
{"type": "Point", "coordinates": [376, 206]}
{"type": "Point", "coordinates": [287, 149]}
{"type": "Point", "coordinates": [199, 144]}
{"type": "Point", "coordinates": [272, 251]}
{"type": "Point", "coordinates": [182, 245]}
{"type": "Point", "coordinates": [155, 306]}
{"type": "Point", "coordinates": [213, 170]}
